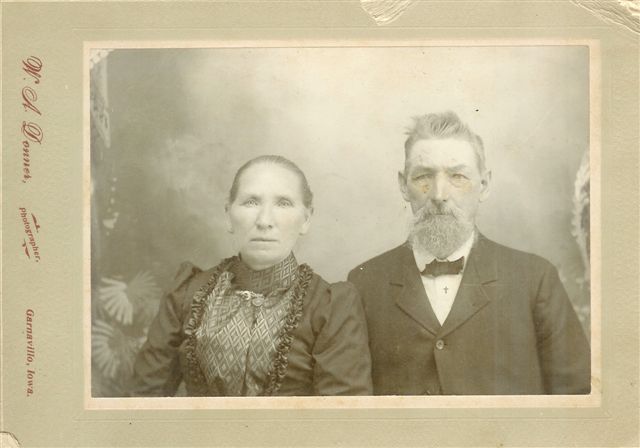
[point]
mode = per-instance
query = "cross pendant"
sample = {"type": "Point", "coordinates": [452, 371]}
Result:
{"type": "Point", "coordinates": [446, 289]}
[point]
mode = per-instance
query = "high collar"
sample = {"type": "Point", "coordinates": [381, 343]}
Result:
{"type": "Point", "coordinates": [265, 281]}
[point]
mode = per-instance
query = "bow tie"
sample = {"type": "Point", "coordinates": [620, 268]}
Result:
{"type": "Point", "coordinates": [436, 268]}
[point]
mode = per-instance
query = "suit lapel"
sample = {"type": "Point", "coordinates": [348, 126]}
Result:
{"type": "Point", "coordinates": [475, 291]}
{"type": "Point", "coordinates": [409, 294]}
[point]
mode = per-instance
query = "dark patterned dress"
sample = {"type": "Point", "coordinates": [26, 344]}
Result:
{"type": "Point", "coordinates": [232, 331]}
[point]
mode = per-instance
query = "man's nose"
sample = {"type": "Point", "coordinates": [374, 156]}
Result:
{"type": "Point", "coordinates": [265, 217]}
{"type": "Point", "coordinates": [440, 188]}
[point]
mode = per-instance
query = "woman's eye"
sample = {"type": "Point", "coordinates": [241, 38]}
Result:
{"type": "Point", "coordinates": [250, 202]}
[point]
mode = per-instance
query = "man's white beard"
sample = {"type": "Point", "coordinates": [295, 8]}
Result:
{"type": "Point", "coordinates": [440, 229]}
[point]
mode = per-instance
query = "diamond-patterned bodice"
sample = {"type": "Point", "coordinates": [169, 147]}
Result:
{"type": "Point", "coordinates": [238, 337]}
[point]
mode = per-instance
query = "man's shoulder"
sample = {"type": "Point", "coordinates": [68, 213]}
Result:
{"type": "Point", "coordinates": [382, 263]}
{"type": "Point", "coordinates": [510, 257]}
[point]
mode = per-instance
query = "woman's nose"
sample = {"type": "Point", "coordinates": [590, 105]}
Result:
{"type": "Point", "coordinates": [264, 218]}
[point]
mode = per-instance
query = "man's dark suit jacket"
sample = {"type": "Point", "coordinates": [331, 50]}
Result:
{"type": "Point", "coordinates": [511, 330]}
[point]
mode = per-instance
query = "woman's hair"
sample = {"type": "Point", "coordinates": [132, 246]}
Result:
{"type": "Point", "coordinates": [307, 195]}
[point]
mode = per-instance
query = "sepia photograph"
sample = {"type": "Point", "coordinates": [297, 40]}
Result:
{"type": "Point", "coordinates": [340, 221]}
{"type": "Point", "coordinates": [319, 223]}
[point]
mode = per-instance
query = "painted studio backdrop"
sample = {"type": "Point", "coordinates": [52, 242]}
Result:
{"type": "Point", "coordinates": [169, 128]}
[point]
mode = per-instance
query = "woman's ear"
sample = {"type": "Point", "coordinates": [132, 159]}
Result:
{"type": "Point", "coordinates": [308, 213]}
{"type": "Point", "coordinates": [227, 218]}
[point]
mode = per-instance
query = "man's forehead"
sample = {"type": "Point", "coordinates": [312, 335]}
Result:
{"type": "Point", "coordinates": [441, 153]}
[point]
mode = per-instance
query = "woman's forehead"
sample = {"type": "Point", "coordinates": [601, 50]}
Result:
{"type": "Point", "coordinates": [269, 178]}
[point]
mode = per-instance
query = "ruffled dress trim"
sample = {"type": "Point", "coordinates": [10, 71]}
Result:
{"type": "Point", "coordinates": [288, 283]}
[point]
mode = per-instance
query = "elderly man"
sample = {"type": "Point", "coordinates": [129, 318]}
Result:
{"type": "Point", "coordinates": [451, 312]}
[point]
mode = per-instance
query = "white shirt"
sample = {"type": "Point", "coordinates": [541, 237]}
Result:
{"type": "Point", "coordinates": [442, 290]}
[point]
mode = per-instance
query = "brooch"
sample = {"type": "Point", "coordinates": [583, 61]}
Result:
{"type": "Point", "coordinates": [256, 299]}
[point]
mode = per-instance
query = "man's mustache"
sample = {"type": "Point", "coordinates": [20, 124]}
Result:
{"type": "Point", "coordinates": [431, 209]}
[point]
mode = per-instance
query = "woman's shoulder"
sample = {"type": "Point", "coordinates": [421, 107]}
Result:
{"type": "Point", "coordinates": [331, 308]}
{"type": "Point", "coordinates": [186, 274]}
{"type": "Point", "coordinates": [187, 280]}
{"type": "Point", "coordinates": [331, 294]}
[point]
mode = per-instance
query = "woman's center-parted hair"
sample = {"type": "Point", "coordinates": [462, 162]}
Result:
{"type": "Point", "coordinates": [444, 125]}
{"type": "Point", "coordinates": [307, 195]}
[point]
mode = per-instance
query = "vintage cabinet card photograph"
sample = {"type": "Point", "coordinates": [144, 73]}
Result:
{"type": "Point", "coordinates": [349, 223]}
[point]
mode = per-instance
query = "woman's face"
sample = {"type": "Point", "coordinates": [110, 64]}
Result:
{"type": "Point", "coordinates": [267, 215]}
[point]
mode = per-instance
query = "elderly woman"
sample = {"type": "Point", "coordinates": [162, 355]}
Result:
{"type": "Point", "coordinates": [258, 323]}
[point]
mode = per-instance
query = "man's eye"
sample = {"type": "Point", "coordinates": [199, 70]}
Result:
{"type": "Point", "coordinates": [250, 202]}
{"type": "Point", "coordinates": [285, 203]}
{"type": "Point", "coordinates": [421, 177]}
{"type": "Point", "coordinates": [459, 176]}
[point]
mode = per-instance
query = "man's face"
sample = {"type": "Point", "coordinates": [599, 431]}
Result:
{"type": "Point", "coordinates": [443, 183]}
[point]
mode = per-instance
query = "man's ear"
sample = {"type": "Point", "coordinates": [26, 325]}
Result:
{"type": "Point", "coordinates": [485, 185]}
{"type": "Point", "coordinates": [308, 212]}
{"type": "Point", "coordinates": [227, 218]}
{"type": "Point", "coordinates": [402, 183]}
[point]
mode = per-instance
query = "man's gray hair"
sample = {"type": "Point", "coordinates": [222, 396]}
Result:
{"type": "Point", "coordinates": [444, 125]}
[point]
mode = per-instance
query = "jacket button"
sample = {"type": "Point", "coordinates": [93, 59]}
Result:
{"type": "Point", "coordinates": [439, 344]}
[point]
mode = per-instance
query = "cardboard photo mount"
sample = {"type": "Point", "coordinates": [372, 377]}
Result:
{"type": "Point", "coordinates": [45, 337]}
